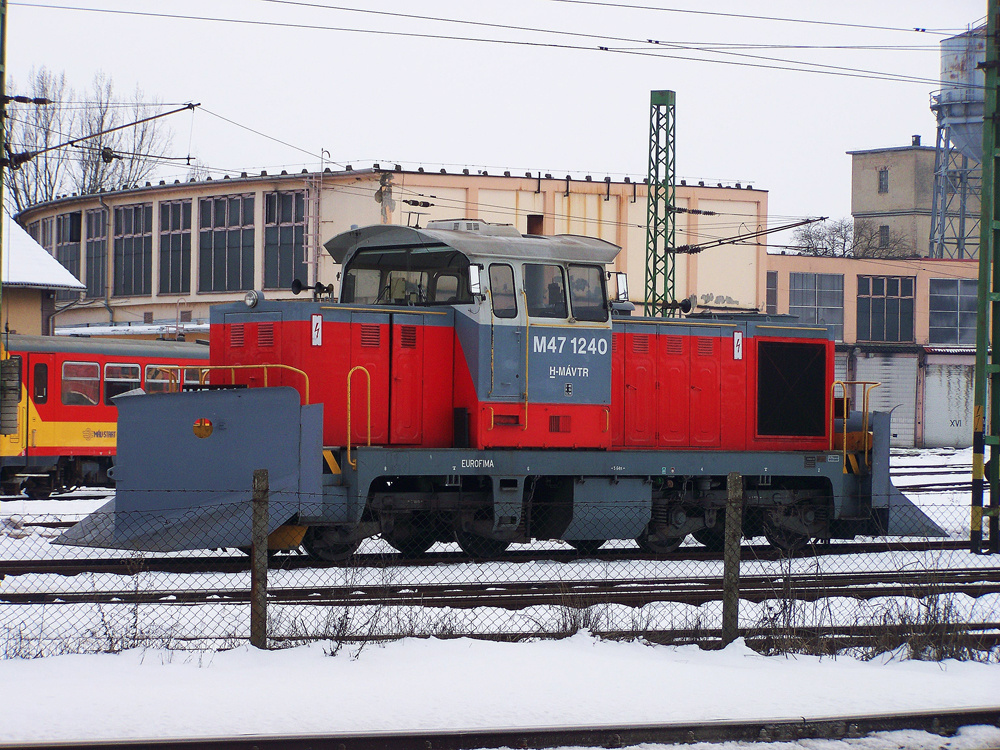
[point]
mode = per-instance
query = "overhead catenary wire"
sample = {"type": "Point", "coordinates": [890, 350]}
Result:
{"type": "Point", "coordinates": [783, 65]}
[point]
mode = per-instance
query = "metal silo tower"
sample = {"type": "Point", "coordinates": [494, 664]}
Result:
{"type": "Point", "coordinates": [958, 106]}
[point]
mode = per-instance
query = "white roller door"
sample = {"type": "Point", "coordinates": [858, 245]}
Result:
{"type": "Point", "coordinates": [898, 392]}
{"type": "Point", "coordinates": [948, 401]}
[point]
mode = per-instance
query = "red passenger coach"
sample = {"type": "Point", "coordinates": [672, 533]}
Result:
{"type": "Point", "coordinates": [475, 385]}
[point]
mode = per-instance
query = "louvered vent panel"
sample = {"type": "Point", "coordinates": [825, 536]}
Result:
{"type": "Point", "coordinates": [706, 347]}
{"type": "Point", "coordinates": [236, 335]}
{"type": "Point", "coordinates": [265, 335]}
{"type": "Point", "coordinates": [370, 335]}
{"type": "Point", "coordinates": [640, 343]}
{"type": "Point", "coordinates": [614, 344]}
{"type": "Point", "coordinates": [408, 336]}
{"type": "Point", "coordinates": [675, 345]}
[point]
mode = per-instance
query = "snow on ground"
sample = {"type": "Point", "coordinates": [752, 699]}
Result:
{"type": "Point", "coordinates": [464, 684]}
{"type": "Point", "coordinates": [459, 684]}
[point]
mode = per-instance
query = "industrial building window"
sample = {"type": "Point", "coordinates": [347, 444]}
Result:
{"type": "Point", "coordinates": [134, 250]}
{"type": "Point", "coordinates": [818, 299]}
{"type": "Point", "coordinates": [68, 248]}
{"type": "Point", "coordinates": [883, 235]}
{"type": "Point", "coordinates": [953, 311]}
{"type": "Point", "coordinates": [45, 239]}
{"type": "Point", "coordinates": [885, 308]}
{"type": "Point", "coordinates": [284, 239]}
{"type": "Point", "coordinates": [545, 290]}
{"type": "Point", "coordinates": [771, 301]}
{"type": "Point", "coordinates": [97, 252]}
{"type": "Point", "coordinates": [225, 244]}
{"type": "Point", "coordinates": [883, 180]}
{"type": "Point", "coordinates": [175, 247]}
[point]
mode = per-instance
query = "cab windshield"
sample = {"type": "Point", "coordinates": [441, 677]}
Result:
{"type": "Point", "coordinates": [407, 276]}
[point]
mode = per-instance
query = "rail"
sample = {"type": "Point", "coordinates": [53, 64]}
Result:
{"type": "Point", "coordinates": [265, 367]}
{"type": "Point", "coordinates": [869, 386]}
{"type": "Point", "coordinates": [368, 389]}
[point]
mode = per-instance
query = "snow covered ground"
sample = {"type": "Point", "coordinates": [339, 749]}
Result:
{"type": "Point", "coordinates": [465, 684]}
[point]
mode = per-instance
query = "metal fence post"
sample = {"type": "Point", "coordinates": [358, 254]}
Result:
{"type": "Point", "coordinates": [731, 559]}
{"type": "Point", "coordinates": [258, 561]}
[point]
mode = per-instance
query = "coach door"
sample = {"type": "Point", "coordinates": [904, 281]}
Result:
{"type": "Point", "coordinates": [406, 380]}
{"type": "Point", "coordinates": [43, 396]}
{"type": "Point", "coordinates": [15, 443]}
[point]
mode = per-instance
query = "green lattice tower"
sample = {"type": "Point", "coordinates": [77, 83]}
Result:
{"type": "Point", "coordinates": [660, 237]}
{"type": "Point", "coordinates": [986, 421]}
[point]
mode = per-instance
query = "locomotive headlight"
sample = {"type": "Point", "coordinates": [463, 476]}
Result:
{"type": "Point", "coordinates": [252, 298]}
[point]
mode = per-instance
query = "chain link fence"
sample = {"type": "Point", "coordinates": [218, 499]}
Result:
{"type": "Point", "coordinates": [932, 595]}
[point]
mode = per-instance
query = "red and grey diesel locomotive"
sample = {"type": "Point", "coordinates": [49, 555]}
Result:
{"type": "Point", "coordinates": [476, 385]}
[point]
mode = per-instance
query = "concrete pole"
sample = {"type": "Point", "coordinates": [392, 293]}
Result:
{"type": "Point", "coordinates": [731, 559]}
{"type": "Point", "coordinates": [258, 561]}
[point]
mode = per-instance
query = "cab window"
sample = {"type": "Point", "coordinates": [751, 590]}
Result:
{"type": "Point", "coordinates": [545, 290]}
{"type": "Point", "coordinates": [81, 383]}
{"type": "Point", "coordinates": [119, 379]}
{"type": "Point", "coordinates": [586, 293]}
{"type": "Point", "coordinates": [502, 291]}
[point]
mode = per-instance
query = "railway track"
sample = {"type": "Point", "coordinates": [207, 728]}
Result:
{"type": "Point", "coordinates": [973, 582]}
{"type": "Point", "coordinates": [944, 723]}
{"type": "Point", "coordinates": [240, 563]}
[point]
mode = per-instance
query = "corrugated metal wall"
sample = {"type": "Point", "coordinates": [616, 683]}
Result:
{"type": "Point", "coordinates": [948, 402]}
{"type": "Point", "coordinates": [898, 392]}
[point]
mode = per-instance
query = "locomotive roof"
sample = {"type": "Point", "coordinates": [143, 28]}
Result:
{"type": "Point", "coordinates": [16, 342]}
{"type": "Point", "coordinates": [510, 244]}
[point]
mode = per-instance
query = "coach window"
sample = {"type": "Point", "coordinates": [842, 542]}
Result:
{"type": "Point", "coordinates": [586, 293]}
{"type": "Point", "coordinates": [81, 383]}
{"type": "Point", "coordinates": [40, 386]}
{"type": "Point", "coordinates": [545, 290]}
{"type": "Point", "coordinates": [502, 291]}
{"type": "Point", "coordinates": [119, 379]}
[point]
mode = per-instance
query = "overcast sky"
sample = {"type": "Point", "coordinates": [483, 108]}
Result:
{"type": "Point", "coordinates": [559, 105]}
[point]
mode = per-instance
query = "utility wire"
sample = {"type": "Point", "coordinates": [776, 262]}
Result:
{"type": "Point", "coordinates": [786, 65]}
{"type": "Point", "coordinates": [750, 17]}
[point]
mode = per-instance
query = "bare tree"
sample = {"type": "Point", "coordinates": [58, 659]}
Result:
{"type": "Point", "coordinates": [97, 160]}
{"type": "Point", "coordinates": [33, 127]}
{"type": "Point", "coordinates": [846, 238]}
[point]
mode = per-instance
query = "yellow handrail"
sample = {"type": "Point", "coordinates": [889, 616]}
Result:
{"type": "Point", "coordinates": [368, 378]}
{"type": "Point", "coordinates": [233, 368]}
{"type": "Point", "coordinates": [869, 386]}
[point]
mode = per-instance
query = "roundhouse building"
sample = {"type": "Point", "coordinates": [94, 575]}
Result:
{"type": "Point", "coordinates": [154, 258]}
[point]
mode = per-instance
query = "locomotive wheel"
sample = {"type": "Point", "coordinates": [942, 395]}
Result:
{"type": "Point", "coordinates": [713, 537]}
{"type": "Point", "coordinates": [326, 543]}
{"type": "Point", "coordinates": [586, 546]}
{"type": "Point", "coordinates": [784, 539]}
{"type": "Point", "coordinates": [38, 489]}
{"type": "Point", "coordinates": [480, 547]}
{"type": "Point", "coordinates": [658, 545]}
{"type": "Point", "coordinates": [411, 540]}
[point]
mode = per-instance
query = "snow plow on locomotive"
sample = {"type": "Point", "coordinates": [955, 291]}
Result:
{"type": "Point", "coordinates": [476, 385]}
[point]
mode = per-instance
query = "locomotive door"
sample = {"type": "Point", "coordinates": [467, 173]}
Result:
{"type": "Point", "coordinates": [370, 345]}
{"type": "Point", "coordinates": [640, 387]}
{"type": "Point", "coordinates": [706, 387]}
{"type": "Point", "coordinates": [674, 343]}
{"type": "Point", "coordinates": [406, 380]}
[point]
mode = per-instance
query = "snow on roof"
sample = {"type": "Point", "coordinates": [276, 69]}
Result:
{"type": "Point", "coordinates": [28, 264]}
